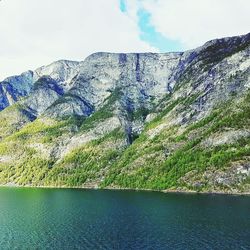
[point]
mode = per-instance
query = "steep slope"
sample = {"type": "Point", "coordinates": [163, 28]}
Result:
{"type": "Point", "coordinates": [154, 121]}
{"type": "Point", "coordinates": [14, 88]}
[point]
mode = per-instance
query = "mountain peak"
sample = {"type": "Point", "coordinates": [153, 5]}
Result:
{"type": "Point", "coordinates": [133, 120]}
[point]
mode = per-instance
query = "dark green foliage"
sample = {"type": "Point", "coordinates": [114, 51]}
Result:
{"type": "Point", "coordinates": [165, 174]}
{"type": "Point", "coordinates": [86, 163]}
{"type": "Point", "coordinates": [151, 162]}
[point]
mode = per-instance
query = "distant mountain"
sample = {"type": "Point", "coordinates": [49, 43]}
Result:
{"type": "Point", "coordinates": [169, 121]}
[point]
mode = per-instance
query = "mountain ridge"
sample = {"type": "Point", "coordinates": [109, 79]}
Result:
{"type": "Point", "coordinates": [132, 120]}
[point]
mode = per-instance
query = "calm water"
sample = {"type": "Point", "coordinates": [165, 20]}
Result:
{"type": "Point", "coordinates": [91, 219]}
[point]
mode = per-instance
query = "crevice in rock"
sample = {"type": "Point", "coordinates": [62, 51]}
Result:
{"type": "Point", "coordinates": [137, 68]}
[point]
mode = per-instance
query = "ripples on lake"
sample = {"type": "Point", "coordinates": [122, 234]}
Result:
{"type": "Point", "coordinates": [95, 219]}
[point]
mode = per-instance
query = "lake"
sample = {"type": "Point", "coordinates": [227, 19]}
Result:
{"type": "Point", "coordinates": [32, 218]}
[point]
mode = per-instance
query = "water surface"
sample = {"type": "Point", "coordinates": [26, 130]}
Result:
{"type": "Point", "coordinates": [101, 219]}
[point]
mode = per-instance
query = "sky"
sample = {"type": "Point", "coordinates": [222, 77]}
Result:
{"type": "Point", "coordinates": [38, 32]}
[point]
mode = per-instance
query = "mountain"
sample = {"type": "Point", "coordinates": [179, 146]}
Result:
{"type": "Point", "coordinates": [169, 121]}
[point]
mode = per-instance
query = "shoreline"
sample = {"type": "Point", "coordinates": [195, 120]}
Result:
{"type": "Point", "coordinates": [168, 191]}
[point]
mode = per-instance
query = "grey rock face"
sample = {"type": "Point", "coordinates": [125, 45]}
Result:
{"type": "Point", "coordinates": [140, 81]}
{"type": "Point", "coordinates": [79, 119]}
{"type": "Point", "coordinates": [140, 78]}
{"type": "Point", "coordinates": [62, 72]}
{"type": "Point", "coordinates": [44, 93]}
{"type": "Point", "coordinates": [13, 88]}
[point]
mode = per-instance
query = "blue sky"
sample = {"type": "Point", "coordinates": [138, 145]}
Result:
{"type": "Point", "coordinates": [148, 32]}
{"type": "Point", "coordinates": [75, 29]}
{"type": "Point", "coordinates": [123, 6]}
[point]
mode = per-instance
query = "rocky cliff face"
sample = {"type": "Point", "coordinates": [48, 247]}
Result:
{"type": "Point", "coordinates": [160, 121]}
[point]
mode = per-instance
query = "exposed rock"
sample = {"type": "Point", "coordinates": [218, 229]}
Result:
{"type": "Point", "coordinates": [76, 141]}
{"type": "Point", "coordinates": [156, 115]}
{"type": "Point", "coordinates": [227, 137]}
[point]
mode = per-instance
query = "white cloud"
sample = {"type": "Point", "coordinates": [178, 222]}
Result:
{"type": "Point", "coordinates": [37, 32]}
{"type": "Point", "coordinates": [193, 22]}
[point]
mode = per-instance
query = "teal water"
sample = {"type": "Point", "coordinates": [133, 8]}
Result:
{"type": "Point", "coordinates": [99, 219]}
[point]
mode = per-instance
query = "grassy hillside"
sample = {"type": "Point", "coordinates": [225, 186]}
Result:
{"type": "Point", "coordinates": [204, 156]}
{"type": "Point", "coordinates": [184, 158]}
{"type": "Point", "coordinates": [174, 121]}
